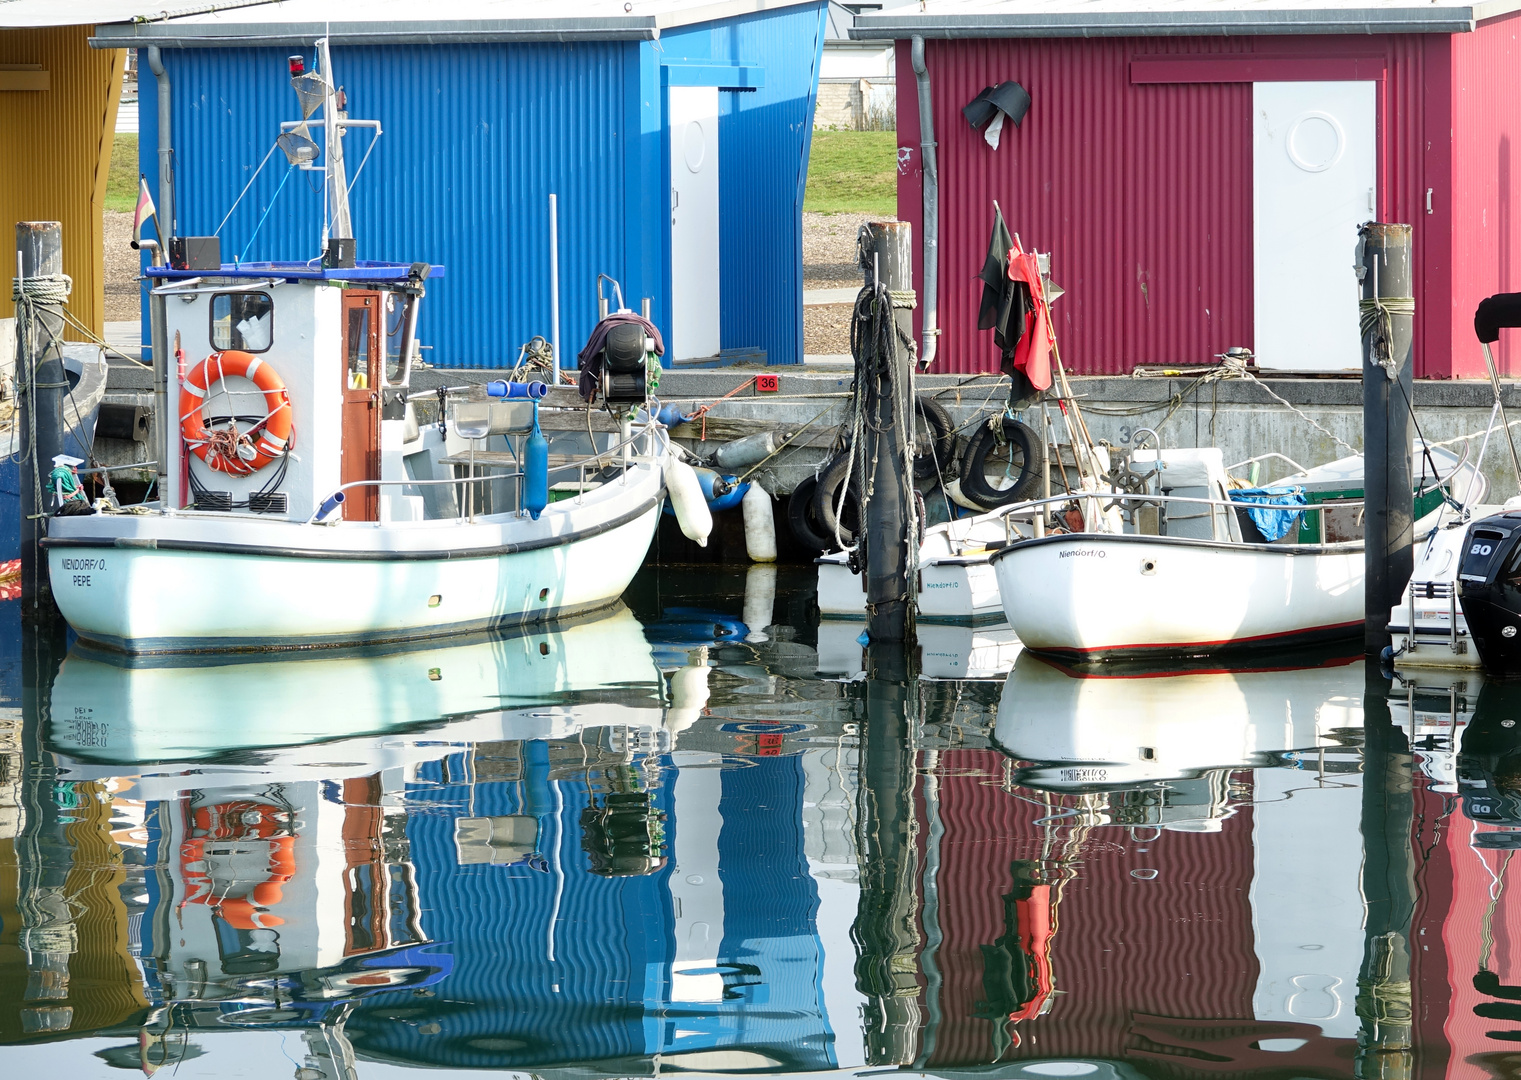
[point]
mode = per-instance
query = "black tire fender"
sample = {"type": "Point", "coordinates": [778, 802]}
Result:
{"type": "Point", "coordinates": [938, 457]}
{"type": "Point", "coordinates": [827, 496]}
{"type": "Point", "coordinates": [801, 520]}
{"type": "Point", "coordinates": [974, 483]}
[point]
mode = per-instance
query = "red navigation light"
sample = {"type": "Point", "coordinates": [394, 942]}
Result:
{"type": "Point", "coordinates": [297, 66]}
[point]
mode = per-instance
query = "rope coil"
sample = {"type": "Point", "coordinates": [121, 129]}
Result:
{"type": "Point", "coordinates": [43, 289]}
{"type": "Point", "coordinates": [1376, 316]}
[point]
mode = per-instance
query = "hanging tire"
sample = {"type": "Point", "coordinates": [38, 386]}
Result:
{"type": "Point", "coordinates": [827, 496]}
{"type": "Point", "coordinates": [800, 518]}
{"type": "Point", "coordinates": [995, 474]}
{"type": "Point", "coordinates": [935, 434]}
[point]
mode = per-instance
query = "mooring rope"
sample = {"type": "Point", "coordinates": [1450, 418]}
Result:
{"type": "Point", "coordinates": [1376, 317]}
{"type": "Point", "coordinates": [28, 294]}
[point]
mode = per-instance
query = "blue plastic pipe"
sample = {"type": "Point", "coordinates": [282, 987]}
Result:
{"type": "Point", "coordinates": [536, 468]}
{"type": "Point", "coordinates": [334, 501]}
{"type": "Point", "coordinates": [502, 389]}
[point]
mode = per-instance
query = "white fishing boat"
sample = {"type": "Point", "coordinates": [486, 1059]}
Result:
{"type": "Point", "coordinates": [301, 503]}
{"type": "Point", "coordinates": [1427, 627]}
{"type": "Point", "coordinates": [1172, 572]}
{"type": "Point", "coordinates": [956, 582]}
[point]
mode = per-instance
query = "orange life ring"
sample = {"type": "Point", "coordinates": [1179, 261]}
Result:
{"type": "Point", "coordinates": [238, 453]}
{"type": "Point", "coordinates": [252, 824]}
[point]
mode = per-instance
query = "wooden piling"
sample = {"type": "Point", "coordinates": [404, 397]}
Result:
{"type": "Point", "coordinates": [888, 398]}
{"type": "Point", "coordinates": [1388, 315]}
{"type": "Point", "coordinates": [41, 387]}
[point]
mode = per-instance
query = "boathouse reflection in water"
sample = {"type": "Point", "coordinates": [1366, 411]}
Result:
{"type": "Point", "coordinates": [627, 846]}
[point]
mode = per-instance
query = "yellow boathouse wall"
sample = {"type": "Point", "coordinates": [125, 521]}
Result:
{"type": "Point", "coordinates": [58, 102]}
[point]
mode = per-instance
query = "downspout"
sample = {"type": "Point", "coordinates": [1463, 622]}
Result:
{"type": "Point", "coordinates": [931, 172]}
{"type": "Point", "coordinates": [165, 146]}
{"type": "Point", "coordinates": [169, 494]}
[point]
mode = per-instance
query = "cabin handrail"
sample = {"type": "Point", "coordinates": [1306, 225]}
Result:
{"type": "Point", "coordinates": [642, 433]}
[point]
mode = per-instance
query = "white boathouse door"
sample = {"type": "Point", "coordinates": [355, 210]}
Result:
{"type": "Point", "coordinates": [1314, 179]}
{"type": "Point", "coordinates": [693, 112]}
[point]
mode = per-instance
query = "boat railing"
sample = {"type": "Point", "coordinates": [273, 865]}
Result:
{"type": "Point", "coordinates": [580, 464]}
{"type": "Point", "coordinates": [1102, 506]}
{"type": "Point", "coordinates": [1298, 468]}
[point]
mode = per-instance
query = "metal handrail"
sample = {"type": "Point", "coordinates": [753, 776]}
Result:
{"type": "Point", "coordinates": [581, 465]}
{"type": "Point", "coordinates": [1113, 497]}
{"type": "Point", "coordinates": [1264, 457]}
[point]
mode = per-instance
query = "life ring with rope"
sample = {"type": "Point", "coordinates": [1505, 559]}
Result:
{"type": "Point", "coordinates": [245, 837]}
{"type": "Point", "coordinates": [229, 450]}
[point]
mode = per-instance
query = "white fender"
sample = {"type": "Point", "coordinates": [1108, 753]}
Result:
{"type": "Point", "coordinates": [760, 525]}
{"type": "Point", "coordinates": [953, 492]}
{"type": "Point", "coordinates": [689, 693]}
{"type": "Point", "coordinates": [760, 600]}
{"type": "Point", "coordinates": [692, 512]}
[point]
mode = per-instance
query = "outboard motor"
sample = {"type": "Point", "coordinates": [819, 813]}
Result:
{"type": "Point", "coordinates": [1489, 588]}
{"type": "Point", "coordinates": [624, 374]}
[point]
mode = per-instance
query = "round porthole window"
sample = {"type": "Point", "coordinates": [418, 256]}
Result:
{"type": "Point", "coordinates": [694, 145]}
{"type": "Point", "coordinates": [1315, 141]}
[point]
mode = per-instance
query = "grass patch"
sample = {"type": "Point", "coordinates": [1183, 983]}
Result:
{"type": "Point", "coordinates": [853, 172]}
{"type": "Point", "coordinates": [121, 182]}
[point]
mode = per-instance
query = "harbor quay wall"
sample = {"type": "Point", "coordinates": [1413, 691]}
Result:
{"type": "Point", "coordinates": [1242, 417]}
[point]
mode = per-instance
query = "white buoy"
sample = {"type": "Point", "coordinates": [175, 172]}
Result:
{"type": "Point", "coordinates": [953, 492]}
{"type": "Point", "coordinates": [760, 525]}
{"type": "Point", "coordinates": [692, 512]}
{"type": "Point", "coordinates": [760, 600]}
{"type": "Point", "coordinates": [689, 692]}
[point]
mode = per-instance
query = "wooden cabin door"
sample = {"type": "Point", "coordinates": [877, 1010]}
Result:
{"type": "Point", "coordinates": [361, 402]}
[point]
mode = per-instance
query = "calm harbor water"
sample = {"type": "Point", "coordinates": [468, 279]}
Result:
{"type": "Point", "coordinates": [669, 839]}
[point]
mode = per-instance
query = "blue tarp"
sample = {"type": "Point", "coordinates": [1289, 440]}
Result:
{"type": "Point", "coordinates": [1272, 524]}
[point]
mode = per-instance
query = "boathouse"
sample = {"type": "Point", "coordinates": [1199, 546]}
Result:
{"type": "Point", "coordinates": [674, 133]}
{"type": "Point", "coordinates": [1199, 170]}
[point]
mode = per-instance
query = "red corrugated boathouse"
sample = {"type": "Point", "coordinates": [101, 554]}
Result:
{"type": "Point", "coordinates": [1197, 170]}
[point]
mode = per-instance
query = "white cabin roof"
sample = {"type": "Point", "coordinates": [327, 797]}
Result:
{"type": "Point", "coordinates": [1108, 18]}
{"type": "Point", "coordinates": [378, 22]}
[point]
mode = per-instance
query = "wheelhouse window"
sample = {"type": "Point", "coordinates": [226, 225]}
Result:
{"type": "Point", "coordinates": [395, 309]}
{"type": "Point", "coordinates": [242, 320]}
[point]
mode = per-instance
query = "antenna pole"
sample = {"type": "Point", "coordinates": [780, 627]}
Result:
{"type": "Point", "coordinates": [339, 224]}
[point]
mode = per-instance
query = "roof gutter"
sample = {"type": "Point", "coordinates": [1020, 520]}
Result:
{"type": "Point", "coordinates": [220, 35]}
{"type": "Point", "coordinates": [929, 166]}
{"type": "Point", "coordinates": [1412, 20]}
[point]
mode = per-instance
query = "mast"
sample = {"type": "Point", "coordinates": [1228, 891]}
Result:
{"type": "Point", "coordinates": [339, 225]}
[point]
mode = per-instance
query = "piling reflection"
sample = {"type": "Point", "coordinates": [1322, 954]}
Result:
{"type": "Point", "coordinates": [656, 841]}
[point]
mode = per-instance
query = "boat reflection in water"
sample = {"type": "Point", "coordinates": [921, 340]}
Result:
{"type": "Point", "coordinates": [638, 846]}
{"type": "Point", "coordinates": [462, 856]}
{"type": "Point", "coordinates": [1211, 781]}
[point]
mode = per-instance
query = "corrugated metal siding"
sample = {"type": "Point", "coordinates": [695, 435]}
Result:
{"type": "Point", "coordinates": [507, 1004]}
{"type": "Point", "coordinates": [1180, 945]}
{"type": "Point", "coordinates": [59, 140]}
{"type": "Point", "coordinates": [1142, 192]}
{"type": "Point", "coordinates": [764, 139]}
{"type": "Point", "coordinates": [477, 136]}
{"type": "Point", "coordinates": [1486, 99]}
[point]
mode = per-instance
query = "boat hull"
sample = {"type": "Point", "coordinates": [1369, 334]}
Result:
{"type": "Point", "coordinates": [172, 587]}
{"type": "Point", "coordinates": [959, 590]}
{"type": "Point", "coordinates": [1094, 596]}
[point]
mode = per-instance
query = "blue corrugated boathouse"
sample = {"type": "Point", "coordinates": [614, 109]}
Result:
{"type": "Point", "coordinates": [674, 133]}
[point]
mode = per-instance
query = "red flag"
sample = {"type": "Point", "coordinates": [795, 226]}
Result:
{"type": "Point", "coordinates": [1033, 353]}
